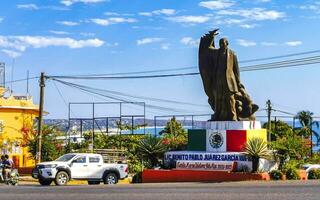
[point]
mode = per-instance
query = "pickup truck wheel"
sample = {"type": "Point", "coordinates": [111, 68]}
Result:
{"type": "Point", "coordinates": [110, 179]}
{"type": "Point", "coordinates": [45, 181]}
{"type": "Point", "coordinates": [93, 182]}
{"type": "Point", "coordinates": [62, 178]}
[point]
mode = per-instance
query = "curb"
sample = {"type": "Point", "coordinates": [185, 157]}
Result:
{"type": "Point", "coordinates": [72, 182]}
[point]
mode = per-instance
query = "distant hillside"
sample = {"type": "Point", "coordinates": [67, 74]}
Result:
{"type": "Point", "coordinates": [87, 125]}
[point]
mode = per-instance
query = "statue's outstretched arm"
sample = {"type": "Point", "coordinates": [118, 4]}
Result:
{"type": "Point", "coordinates": [212, 34]}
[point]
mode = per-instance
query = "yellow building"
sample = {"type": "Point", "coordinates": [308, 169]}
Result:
{"type": "Point", "coordinates": [17, 116]}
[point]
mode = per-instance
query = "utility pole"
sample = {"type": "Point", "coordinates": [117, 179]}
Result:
{"type": "Point", "coordinates": [311, 148]}
{"type": "Point", "coordinates": [41, 85]}
{"type": "Point", "coordinates": [269, 108]}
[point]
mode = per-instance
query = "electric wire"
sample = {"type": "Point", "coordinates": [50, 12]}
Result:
{"type": "Point", "coordinates": [140, 97]}
{"type": "Point", "coordinates": [19, 80]}
{"type": "Point", "coordinates": [272, 65]}
{"type": "Point", "coordinates": [120, 99]}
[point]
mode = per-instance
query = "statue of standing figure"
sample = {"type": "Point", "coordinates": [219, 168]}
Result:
{"type": "Point", "coordinates": [220, 75]}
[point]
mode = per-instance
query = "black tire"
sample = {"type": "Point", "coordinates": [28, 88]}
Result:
{"type": "Point", "coordinates": [62, 178]}
{"type": "Point", "coordinates": [45, 182]}
{"type": "Point", "coordinates": [110, 179]}
{"type": "Point", "coordinates": [93, 182]}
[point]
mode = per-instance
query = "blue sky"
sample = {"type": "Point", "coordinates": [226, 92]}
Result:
{"type": "Point", "coordinates": [70, 37]}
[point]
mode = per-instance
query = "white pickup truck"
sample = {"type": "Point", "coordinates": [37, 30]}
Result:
{"type": "Point", "coordinates": [79, 166]}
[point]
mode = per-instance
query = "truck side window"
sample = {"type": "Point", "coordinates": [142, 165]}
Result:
{"type": "Point", "coordinates": [80, 159]}
{"type": "Point", "coordinates": [95, 159]}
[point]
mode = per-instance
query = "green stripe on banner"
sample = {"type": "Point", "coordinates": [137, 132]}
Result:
{"type": "Point", "coordinates": [197, 140]}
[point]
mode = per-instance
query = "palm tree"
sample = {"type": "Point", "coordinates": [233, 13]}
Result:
{"type": "Point", "coordinates": [257, 148]}
{"type": "Point", "coordinates": [151, 149]}
{"type": "Point", "coordinates": [306, 120]}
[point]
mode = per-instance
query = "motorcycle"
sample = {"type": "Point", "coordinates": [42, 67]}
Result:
{"type": "Point", "coordinates": [13, 178]}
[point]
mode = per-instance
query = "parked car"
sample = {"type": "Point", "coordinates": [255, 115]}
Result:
{"type": "Point", "coordinates": [309, 167]}
{"type": "Point", "coordinates": [79, 166]}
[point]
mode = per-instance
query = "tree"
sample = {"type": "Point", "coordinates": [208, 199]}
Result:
{"type": "Point", "coordinates": [306, 120]}
{"type": "Point", "coordinates": [174, 135]}
{"type": "Point", "coordinates": [279, 129]}
{"type": "Point", "coordinates": [257, 148]}
{"type": "Point", "coordinates": [151, 149]}
{"type": "Point", "coordinates": [52, 146]}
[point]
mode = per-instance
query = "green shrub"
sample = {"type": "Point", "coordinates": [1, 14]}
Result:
{"type": "Point", "coordinates": [292, 174]}
{"type": "Point", "coordinates": [275, 174]}
{"type": "Point", "coordinates": [314, 174]}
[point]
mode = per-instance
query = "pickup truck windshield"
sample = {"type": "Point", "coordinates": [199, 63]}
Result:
{"type": "Point", "coordinates": [66, 158]}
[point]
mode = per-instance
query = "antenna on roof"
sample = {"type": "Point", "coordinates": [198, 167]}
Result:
{"type": "Point", "coordinates": [12, 70]}
{"type": "Point", "coordinates": [27, 82]}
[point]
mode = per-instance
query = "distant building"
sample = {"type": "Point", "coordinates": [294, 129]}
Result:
{"type": "Point", "coordinates": [17, 117]}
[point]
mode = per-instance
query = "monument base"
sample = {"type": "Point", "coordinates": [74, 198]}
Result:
{"type": "Point", "coordinates": [220, 145]}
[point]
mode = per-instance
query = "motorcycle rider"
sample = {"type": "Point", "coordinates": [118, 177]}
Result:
{"type": "Point", "coordinates": [7, 167]}
{"type": "Point", "coordinates": [2, 168]}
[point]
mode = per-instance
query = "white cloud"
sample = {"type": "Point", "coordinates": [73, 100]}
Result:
{"type": "Point", "coordinates": [115, 44]}
{"type": "Point", "coordinates": [146, 14]}
{"type": "Point", "coordinates": [1, 19]}
{"type": "Point", "coordinates": [269, 44]}
{"type": "Point", "coordinates": [313, 7]}
{"type": "Point", "coordinates": [102, 22]}
{"type": "Point", "coordinates": [28, 6]}
{"type": "Point", "coordinates": [293, 43]}
{"type": "Point", "coordinates": [248, 26]}
{"type": "Point", "coordinates": [246, 43]}
{"type": "Point", "coordinates": [112, 20]}
{"type": "Point", "coordinates": [217, 4]}
{"type": "Point", "coordinates": [112, 14]}
{"type": "Point", "coordinates": [165, 46]}
{"type": "Point", "coordinates": [189, 41]}
{"type": "Point", "coordinates": [189, 19]}
{"type": "Point", "coordinates": [264, 1]}
{"type": "Point", "coordinates": [21, 43]}
{"type": "Point", "coordinates": [10, 53]}
{"type": "Point", "coordinates": [87, 34]}
{"type": "Point", "coordinates": [60, 32]}
{"type": "Point", "coordinates": [257, 14]}
{"type": "Point", "coordinates": [71, 2]}
{"type": "Point", "coordinates": [164, 11]}
{"type": "Point", "coordinates": [68, 23]}
{"type": "Point", "coordinates": [148, 40]}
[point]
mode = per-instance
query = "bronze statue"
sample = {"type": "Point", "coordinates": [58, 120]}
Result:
{"type": "Point", "coordinates": [220, 75]}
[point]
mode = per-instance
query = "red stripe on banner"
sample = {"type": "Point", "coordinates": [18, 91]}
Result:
{"type": "Point", "coordinates": [236, 140]}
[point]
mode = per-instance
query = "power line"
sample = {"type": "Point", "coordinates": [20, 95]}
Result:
{"type": "Point", "coordinates": [25, 79]}
{"type": "Point", "coordinates": [282, 56]}
{"type": "Point", "coordinates": [117, 98]}
{"type": "Point", "coordinates": [137, 97]}
{"type": "Point", "coordinates": [272, 65]}
{"type": "Point", "coordinates": [124, 77]}
{"type": "Point", "coordinates": [61, 96]}
{"type": "Point", "coordinates": [195, 67]}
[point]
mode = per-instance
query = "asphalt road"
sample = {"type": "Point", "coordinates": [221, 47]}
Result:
{"type": "Point", "coordinates": [284, 190]}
